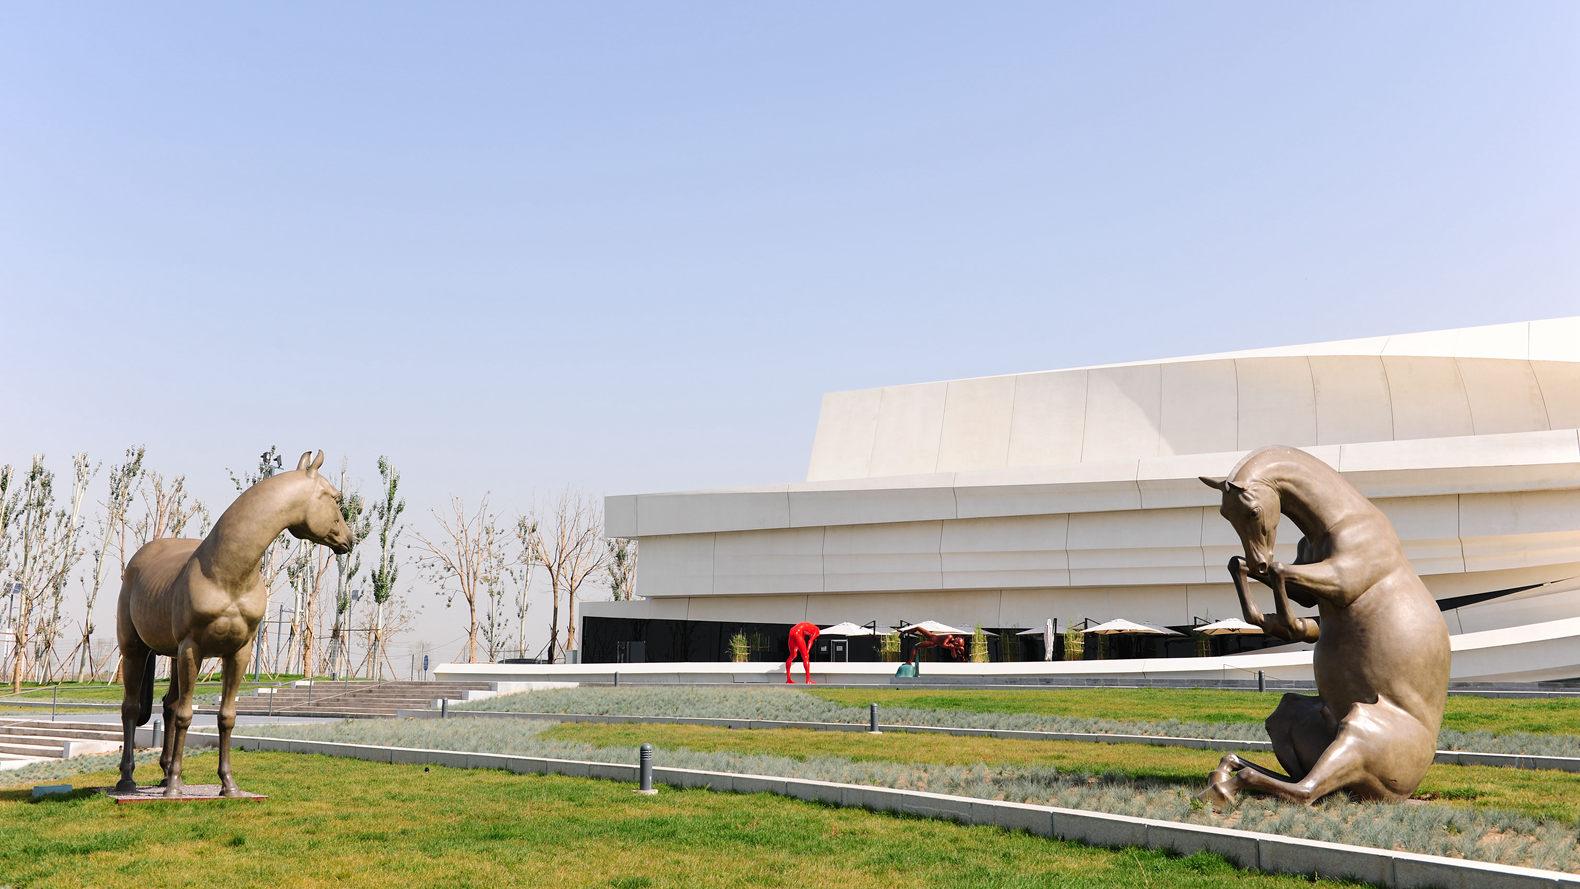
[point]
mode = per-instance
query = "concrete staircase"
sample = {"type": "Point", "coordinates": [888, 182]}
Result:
{"type": "Point", "coordinates": [355, 698]}
{"type": "Point", "coordinates": [26, 741]}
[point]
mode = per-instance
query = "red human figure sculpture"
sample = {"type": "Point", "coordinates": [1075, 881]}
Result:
{"type": "Point", "coordinates": [954, 646]}
{"type": "Point", "coordinates": [801, 637]}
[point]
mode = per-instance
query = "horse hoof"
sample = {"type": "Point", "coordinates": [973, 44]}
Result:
{"type": "Point", "coordinates": [1217, 795]}
{"type": "Point", "coordinates": [126, 785]}
{"type": "Point", "coordinates": [173, 790]}
{"type": "Point", "coordinates": [230, 790]}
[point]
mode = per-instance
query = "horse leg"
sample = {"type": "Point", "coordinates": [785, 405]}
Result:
{"type": "Point", "coordinates": [183, 670]}
{"type": "Point", "coordinates": [1299, 733]}
{"type": "Point", "coordinates": [235, 667]}
{"type": "Point", "coordinates": [167, 753]}
{"type": "Point", "coordinates": [1365, 758]}
{"type": "Point", "coordinates": [135, 661]}
{"type": "Point", "coordinates": [1239, 571]}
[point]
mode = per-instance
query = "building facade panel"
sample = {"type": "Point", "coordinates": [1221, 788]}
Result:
{"type": "Point", "coordinates": [676, 565]}
{"type": "Point", "coordinates": [1504, 396]}
{"type": "Point", "coordinates": [1049, 421]}
{"type": "Point", "coordinates": [1123, 412]}
{"type": "Point", "coordinates": [1277, 402]}
{"type": "Point", "coordinates": [787, 561]}
{"type": "Point", "coordinates": [1428, 398]}
{"type": "Point", "coordinates": [1024, 551]}
{"type": "Point", "coordinates": [910, 424]}
{"type": "Point", "coordinates": [1352, 399]}
{"type": "Point", "coordinates": [1199, 408]}
{"type": "Point", "coordinates": [977, 419]}
{"type": "Point", "coordinates": [899, 556]}
{"type": "Point", "coordinates": [846, 428]}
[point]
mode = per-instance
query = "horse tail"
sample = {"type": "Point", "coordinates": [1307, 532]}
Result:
{"type": "Point", "coordinates": [145, 701]}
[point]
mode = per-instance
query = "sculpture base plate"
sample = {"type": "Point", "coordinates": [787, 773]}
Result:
{"type": "Point", "coordinates": [190, 793]}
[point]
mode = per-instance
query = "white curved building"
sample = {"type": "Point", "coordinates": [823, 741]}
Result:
{"type": "Point", "coordinates": [1073, 494]}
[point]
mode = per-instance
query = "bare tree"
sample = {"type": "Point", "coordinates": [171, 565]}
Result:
{"type": "Point", "coordinates": [622, 568]}
{"type": "Point", "coordinates": [45, 553]}
{"type": "Point", "coordinates": [123, 482]}
{"type": "Point", "coordinates": [308, 571]}
{"type": "Point", "coordinates": [386, 511]}
{"type": "Point", "coordinates": [522, 576]}
{"type": "Point", "coordinates": [10, 517]}
{"type": "Point", "coordinates": [52, 622]}
{"type": "Point", "coordinates": [496, 624]}
{"type": "Point", "coordinates": [568, 543]}
{"type": "Point", "coordinates": [167, 509]}
{"type": "Point", "coordinates": [468, 560]}
{"type": "Point", "coordinates": [354, 510]}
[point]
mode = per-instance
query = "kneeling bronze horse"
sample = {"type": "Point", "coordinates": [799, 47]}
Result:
{"type": "Point", "coordinates": [1382, 655]}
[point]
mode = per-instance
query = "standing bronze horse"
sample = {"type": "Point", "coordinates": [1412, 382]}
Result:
{"type": "Point", "coordinates": [196, 599]}
{"type": "Point", "coordinates": [1381, 658]}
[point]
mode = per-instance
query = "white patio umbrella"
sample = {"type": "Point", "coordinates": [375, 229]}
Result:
{"type": "Point", "coordinates": [1120, 625]}
{"type": "Point", "coordinates": [846, 628]}
{"type": "Point", "coordinates": [938, 629]}
{"type": "Point", "coordinates": [1229, 626]}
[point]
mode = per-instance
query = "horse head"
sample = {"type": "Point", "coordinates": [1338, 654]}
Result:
{"type": "Point", "coordinates": [323, 522]}
{"type": "Point", "coordinates": [1253, 510]}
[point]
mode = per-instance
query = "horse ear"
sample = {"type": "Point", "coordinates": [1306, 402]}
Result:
{"type": "Point", "coordinates": [317, 462]}
{"type": "Point", "coordinates": [302, 463]}
{"type": "Point", "coordinates": [1212, 482]}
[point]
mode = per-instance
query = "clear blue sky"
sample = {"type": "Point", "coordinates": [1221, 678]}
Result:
{"type": "Point", "coordinates": [628, 246]}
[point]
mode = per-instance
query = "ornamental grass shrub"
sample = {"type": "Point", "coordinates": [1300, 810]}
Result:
{"type": "Point", "coordinates": [1429, 828]}
{"type": "Point", "coordinates": [793, 705]}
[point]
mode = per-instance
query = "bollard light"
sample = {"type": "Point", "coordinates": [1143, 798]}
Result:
{"type": "Point", "coordinates": [872, 719]}
{"type": "Point", "coordinates": [444, 708]}
{"type": "Point", "coordinates": [1261, 681]}
{"type": "Point", "coordinates": [645, 770]}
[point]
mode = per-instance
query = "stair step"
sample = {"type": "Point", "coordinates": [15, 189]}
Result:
{"type": "Point", "coordinates": [48, 731]}
{"type": "Point", "coordinates": [48, 751]}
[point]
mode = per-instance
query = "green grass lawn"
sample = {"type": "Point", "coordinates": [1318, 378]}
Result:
{"type": "Point", "coordinates": [1548, 794]}
{"type": "Point", "coordinates": [1464, 712]}
{"type": "Point", "coordinates": [335, 822]}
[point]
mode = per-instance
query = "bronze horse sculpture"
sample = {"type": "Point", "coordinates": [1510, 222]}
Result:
{"type": "Point", "coordinates": [196, 599]}
{"type": "Point", "coordinates": [1382, 654]}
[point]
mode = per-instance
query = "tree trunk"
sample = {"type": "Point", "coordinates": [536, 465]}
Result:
{"type": "Point", "coordinates": [471, 633]}
{"type": "Point", "coordinates": [554, 623]}
{"type": "Point", "coordinates": [570, 623]}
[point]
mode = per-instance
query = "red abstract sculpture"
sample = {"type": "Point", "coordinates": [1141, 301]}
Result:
{"type": "Point", "coordinates": [954, 646]}
{"type": "Point", "coordinates": [801, 637]}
